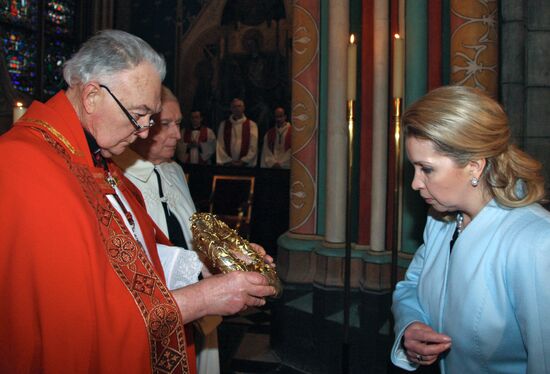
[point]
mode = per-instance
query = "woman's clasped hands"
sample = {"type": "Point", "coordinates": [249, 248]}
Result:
{"type": "Point", "coordinates": [423, 345]}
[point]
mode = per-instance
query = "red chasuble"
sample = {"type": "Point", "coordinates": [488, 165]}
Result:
{"type": "Point", "coordinates": [78, 293]}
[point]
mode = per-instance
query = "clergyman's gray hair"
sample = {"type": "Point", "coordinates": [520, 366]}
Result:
{"type": "Point", "coordinates": [108, 53]}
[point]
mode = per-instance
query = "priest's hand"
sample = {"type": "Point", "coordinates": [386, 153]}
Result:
{"type": "Point", "coordinates": [261, 251]}
{"type": "Point", "coordinates": [222, 294]}
{"type": "Point", "coordinates": [423, 345]}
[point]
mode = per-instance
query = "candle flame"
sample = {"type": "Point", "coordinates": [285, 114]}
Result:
{"type": "Point", "coordinates": [352, 39]}
{"type": "Point", "coordinates": [397, 36]}
{"type": "Point", "coordinates": [19, 104]}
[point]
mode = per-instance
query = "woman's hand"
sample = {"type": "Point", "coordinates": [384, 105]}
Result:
{"type": "Point", "coordinates": [423, 345]}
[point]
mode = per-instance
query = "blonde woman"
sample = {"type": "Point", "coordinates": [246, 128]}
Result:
{"type": "Point", "coordinates": [475, 293]}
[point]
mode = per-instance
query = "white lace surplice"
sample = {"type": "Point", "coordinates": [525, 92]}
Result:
{"type": "Point", "coordinates": [181, 266]}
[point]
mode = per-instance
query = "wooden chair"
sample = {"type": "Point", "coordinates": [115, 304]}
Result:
{"type": "Point", "coordinates": [231, 200]}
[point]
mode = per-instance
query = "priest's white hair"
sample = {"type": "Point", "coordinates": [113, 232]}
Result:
{"type": "Point", "coordinates": [107, 53]}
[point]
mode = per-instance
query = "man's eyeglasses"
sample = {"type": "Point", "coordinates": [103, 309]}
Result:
{"type": "Point", "coordinates": [139, 128]}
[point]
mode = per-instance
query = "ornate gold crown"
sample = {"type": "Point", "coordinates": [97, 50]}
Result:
{"type": "Point", "coordinates": [227, 250]}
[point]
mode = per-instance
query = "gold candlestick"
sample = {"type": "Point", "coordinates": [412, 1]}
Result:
{"type": "Point", "coordinates": [398, 190]}
{"type": "Point", "coordinates": [350, 174]}
{"type": "Point", "coordinates": [347, 258]}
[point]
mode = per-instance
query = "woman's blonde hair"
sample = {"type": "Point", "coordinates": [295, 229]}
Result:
{"type": "Point", "coordinates": [466, 124]}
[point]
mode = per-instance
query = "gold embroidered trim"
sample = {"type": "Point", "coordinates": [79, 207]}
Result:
{"type": "Point", "coordinates": [155, 302]}
{"type": "Point", "coordinates": [54, 131]}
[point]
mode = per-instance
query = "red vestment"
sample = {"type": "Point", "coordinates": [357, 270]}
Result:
{"type": "Point", "coordinates": [203, 136]}
{"type": "Point", "coordinates": [245, 143]}
{"type": "Point", "coordinates": [271, 136]}
{"type": "Point", "coordinates": [78, 294]}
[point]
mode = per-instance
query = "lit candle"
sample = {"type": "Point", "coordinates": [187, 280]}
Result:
{"type": "Point", "coordinates": [398, 66]}
{"type": "Point", "coordinates": [352, 67]}
{"type": "Point", "coordinates": [18, 111]}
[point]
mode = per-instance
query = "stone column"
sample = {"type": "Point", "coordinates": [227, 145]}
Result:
{"type": "Point", "coordinates": [512, 79]}
{"type": "Point", "coordinates": [416, 85]}
{"type": "Point", "coordinates": [380, 125]}
{"type": "Point", "coordinates": [364, 219]}
{"type": "Point", "coordinates": [338, 38]}
{"type": "Point", "coordinates": [474, 44]}
{"type": "Point", "coordinates": [305, 99]}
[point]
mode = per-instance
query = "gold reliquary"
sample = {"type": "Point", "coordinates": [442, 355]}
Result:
{"type": "Point", "coordinates": [227, 251]}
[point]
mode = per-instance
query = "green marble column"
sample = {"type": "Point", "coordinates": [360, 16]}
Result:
{"type": "Point", "coordinates": [416, 78]}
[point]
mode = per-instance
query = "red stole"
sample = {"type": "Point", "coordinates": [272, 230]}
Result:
{"type": "Point", "coordinates": [203, 137]}
{"type": "Point", "coordinates": [245, 141]}
{"type": "Point", "coordinates": [272, 134]}
{"type": "Point", "coordinates": [151, 238]}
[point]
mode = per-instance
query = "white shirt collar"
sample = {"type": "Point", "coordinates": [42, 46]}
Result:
{"type": "Point", "coordinates": [132, 163]}
{"type": "Point", "coordinates": [237, 121]}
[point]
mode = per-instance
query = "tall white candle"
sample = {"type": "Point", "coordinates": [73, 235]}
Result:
{"type": "Point", "coordinates": [352, 68]}
{"type": "Point", "coordinates": [398, 66]}
{"type": "Point", "coordinates": [18, 111]}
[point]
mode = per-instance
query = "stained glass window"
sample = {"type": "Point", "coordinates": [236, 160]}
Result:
{"type": "Point", "coordinates": [59, 44]}
{"type": "Point", "coordinates": [57, 51]}
{"type": "Point", "coordinates": [20, 53]}
{"type": "Point", "coordinates": [35, 61]}
{"type": "Point", "coordinates": [60, 16]}
{"type": "Point", "coordinates": [22, 12]}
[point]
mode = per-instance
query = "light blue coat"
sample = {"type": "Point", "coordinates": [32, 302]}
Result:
{"type": "Point", "coordinates": [491, 296]}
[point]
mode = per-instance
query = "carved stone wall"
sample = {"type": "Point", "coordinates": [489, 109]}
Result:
{"type": "Point", "coordinates": [525, 78]}
{"type": "Point", "coordinates": [222, 57]}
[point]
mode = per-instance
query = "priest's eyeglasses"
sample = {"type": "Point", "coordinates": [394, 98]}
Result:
{"type": "Point", "coordinates": [139, 128]}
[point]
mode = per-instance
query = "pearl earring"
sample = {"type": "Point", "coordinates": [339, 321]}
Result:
{"type": "Point", "coordinates": [474, 181]}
